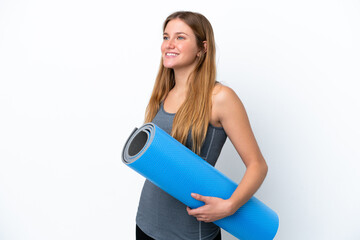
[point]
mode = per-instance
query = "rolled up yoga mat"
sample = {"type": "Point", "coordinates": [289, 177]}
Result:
{"type": "Point", "coordinates": [177, 170]}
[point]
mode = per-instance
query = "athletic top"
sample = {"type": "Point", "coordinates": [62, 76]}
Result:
{"type": "Point", "coordinates": [163, 217]}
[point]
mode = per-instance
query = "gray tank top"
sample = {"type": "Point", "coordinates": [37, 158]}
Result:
{"type": "Point", "coordinates": [163, 217]}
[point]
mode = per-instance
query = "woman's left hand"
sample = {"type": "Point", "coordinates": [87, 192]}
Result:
{"type": "Point", "coordinates": [214, 208]}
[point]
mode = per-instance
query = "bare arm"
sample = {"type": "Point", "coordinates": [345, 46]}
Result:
{"type": "Point", "coordinates": [235, 122]}
{"type": "Point", "coordinates": [231, 114]}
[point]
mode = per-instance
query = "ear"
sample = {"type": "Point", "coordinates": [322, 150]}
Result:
{"type": "Point", "coordinates": [205, 46]}
{"type": "Point", "coordinates": [204, 49]}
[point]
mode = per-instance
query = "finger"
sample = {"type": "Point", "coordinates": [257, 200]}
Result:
{"type": "Point", "coordinates": [196, 211]}
{"type": "Point", "coordinates": [192, 212]}
{"type": "Point", "coordinates": [199, 197]}
{"type": "Point", "coordinates": [188, 210]}
{"type": "Point", "coordinates": [202, 219]}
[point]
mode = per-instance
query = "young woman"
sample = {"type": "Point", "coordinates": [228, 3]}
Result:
{"type": "Point", "coordinates": [188, 103]}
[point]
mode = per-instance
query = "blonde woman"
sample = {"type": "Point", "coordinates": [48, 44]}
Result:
{"type": "Point", "coordinates": [189, 104]}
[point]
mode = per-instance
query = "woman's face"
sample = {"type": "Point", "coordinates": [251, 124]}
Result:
{"type": "Point", "coordinates": [179, 49]}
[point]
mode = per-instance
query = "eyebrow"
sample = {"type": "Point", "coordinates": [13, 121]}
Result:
{"type": "Point", "coordinates": [176, 33]}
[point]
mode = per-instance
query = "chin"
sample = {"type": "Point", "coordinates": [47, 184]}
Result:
{"type": "Point", "coordinates": [168, 65]}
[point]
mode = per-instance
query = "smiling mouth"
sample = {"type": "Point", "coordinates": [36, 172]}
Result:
{"type": "Point", "coordinates": [172, 54]}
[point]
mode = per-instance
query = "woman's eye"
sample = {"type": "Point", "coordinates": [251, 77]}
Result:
{"type": "Point", "coordinates": [165, 38]}
{"type": "Point", "coordinates": [180, 37]}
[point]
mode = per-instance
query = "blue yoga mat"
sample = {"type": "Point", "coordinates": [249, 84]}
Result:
{"type": "Point", "coordinates": [167, 163]}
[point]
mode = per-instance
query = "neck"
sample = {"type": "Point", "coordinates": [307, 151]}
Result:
{"type": "Point", "coordinates": [182, 79]}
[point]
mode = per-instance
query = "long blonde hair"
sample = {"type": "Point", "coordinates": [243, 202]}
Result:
{"type": "Point", "coordinates": [194, 114]}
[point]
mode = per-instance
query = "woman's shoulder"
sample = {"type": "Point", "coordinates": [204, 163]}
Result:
{"type": "Point", "coordinates": [224, 102]}
{"type": "Point", "coordinates": [223, 94]}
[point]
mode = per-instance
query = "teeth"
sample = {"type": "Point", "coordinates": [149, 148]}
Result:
{"type": "Point", "coordinates": [171, 54]}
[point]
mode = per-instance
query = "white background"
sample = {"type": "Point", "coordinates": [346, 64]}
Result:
{"type": "Point", "coordinates": [75, 78]}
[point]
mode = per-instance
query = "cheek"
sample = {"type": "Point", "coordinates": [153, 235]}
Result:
{"type": "Point", "coordinates": [162, 48]}
{"type": "Point", "coordinates": [190, 50]}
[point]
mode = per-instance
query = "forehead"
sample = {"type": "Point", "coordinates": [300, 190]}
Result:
{"type": "Point", "coordinates": [176, 26]}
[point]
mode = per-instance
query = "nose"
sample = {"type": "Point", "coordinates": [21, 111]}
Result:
{"type": "Point", "coordinates": [170, 44]}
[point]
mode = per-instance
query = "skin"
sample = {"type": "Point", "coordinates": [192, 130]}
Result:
{"type": "Point", "coordinates": [227, 112]}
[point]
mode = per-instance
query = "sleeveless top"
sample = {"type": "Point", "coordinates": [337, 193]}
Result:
{"type": "Point", "coordinates": [163, 217]}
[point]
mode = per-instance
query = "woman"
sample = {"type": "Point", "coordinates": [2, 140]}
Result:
{"type": "Point", "coordinates": [201, 113]}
